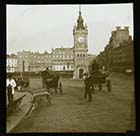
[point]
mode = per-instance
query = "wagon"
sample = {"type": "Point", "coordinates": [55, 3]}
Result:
{"type": "Point", "coordinates": [102, 80]}
{"type": "Point", "coordinates": [51, 80]}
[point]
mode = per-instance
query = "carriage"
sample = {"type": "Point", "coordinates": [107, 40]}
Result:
{"type": "Point", "coordinates": [100, 79]}
{"type": "Point", "coordinates": [51, 79]}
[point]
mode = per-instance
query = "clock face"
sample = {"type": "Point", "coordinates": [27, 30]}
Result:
{"type": "Point", "coordinates": [80, 39]}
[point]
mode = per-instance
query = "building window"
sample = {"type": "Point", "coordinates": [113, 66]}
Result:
{"type": "Point", "coordinates": [77, 55]}
{"type": "Point", "coordinates": [63, 67]}
{"type": "Point", "coordinates": [80, 55]}
{"type": "Point", "coordinates": [67, 66]}
{"type": "Point", "coordinates": [83, 55]}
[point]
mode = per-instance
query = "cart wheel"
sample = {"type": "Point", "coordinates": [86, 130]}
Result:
{"type": "Point", "coordinates": [60, 88]}
{"type": "Point", "coordinates": [49, 99]}
{"type": "Point", "coordinates": [108, 85]}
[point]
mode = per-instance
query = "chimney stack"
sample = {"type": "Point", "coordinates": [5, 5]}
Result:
{"type": "Point", "coordinates": [126, 27]}
{"type": "Point", "coordinates": [118, 27]}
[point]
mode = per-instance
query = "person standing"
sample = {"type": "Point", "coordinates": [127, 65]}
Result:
{"type": "Point", "coordinates": [95, 67]}
{"type": "Point", "coordinates": [45, 75]}
{"type": "Point", "coordinates": [96, 73]}
{"type": "Point", "coordinates": [10, 84]}
{"type": "Point", "coordinates": [89, 89]}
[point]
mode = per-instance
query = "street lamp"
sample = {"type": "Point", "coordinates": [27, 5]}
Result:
{"type": "Point", "coordinates": [22, 68]}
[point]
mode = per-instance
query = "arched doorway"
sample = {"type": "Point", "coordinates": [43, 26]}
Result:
{"type": "Point", "coordinates": [81, 73]}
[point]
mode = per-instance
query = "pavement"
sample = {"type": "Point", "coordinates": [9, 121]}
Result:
{"type": "Point", "coordinates": [25, 107]}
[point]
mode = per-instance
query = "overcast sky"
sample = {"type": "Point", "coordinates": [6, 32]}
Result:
{"type": "Point", "coordinates": [42, 27]}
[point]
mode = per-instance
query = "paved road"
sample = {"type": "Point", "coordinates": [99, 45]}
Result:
{"type": "Point", "coordinates": [108, 112]}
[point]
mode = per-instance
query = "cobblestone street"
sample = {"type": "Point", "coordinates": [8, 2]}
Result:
{"type": "Point", "coordinates": [70, 112]}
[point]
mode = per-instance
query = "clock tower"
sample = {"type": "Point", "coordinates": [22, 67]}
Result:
{"type": "Point", "coordinates": [80, 47]}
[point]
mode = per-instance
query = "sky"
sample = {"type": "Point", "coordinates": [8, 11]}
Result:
{"type": "Point", "coordinates": [43, 27]}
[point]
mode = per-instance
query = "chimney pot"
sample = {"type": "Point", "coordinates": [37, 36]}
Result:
{"type": "Point", "coordinates": [126, 27]}
{"type": "Point", "coordinates": [118, 27]}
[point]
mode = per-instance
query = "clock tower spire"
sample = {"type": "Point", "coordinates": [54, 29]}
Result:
{"type": "Point", "coordinates": [80, 33]}
{"type": "Point", "coordinates": [79, 9]}
{"type": "Point", "coordinates": [80, 20]}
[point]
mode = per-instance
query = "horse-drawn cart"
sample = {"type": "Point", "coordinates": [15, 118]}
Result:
{"type": "Point", "coordinates": [98, 79]}
{"type": "Point", "coordinates": [102, 80]}
{"type": "Point", "coordinates": [51, 79]}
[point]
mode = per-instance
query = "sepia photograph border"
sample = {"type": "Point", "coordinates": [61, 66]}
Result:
{"type": "Point", "coordinates": [136, 6]}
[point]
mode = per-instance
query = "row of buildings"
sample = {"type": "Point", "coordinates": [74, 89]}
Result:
{"type": "Point", "coordinates": [75, 59]}
{"type": "Point", "coordinates": [118, 55]}
{"type": "Point", "coordinates": [60, 59]}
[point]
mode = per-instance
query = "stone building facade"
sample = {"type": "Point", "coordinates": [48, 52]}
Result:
{"type": "Point", "coordinates": [123, 57]}
{"type": "Point", "coordinates": [75, 59]}
{"type": "Point", "coordinates": [11, 63]}
{"type": "Point", "coordinates": [80, 49]}
{"type": "Point", "coordinates": [39, 61]}
{"type": "Point", "coordinates": [118, 54]}
{"type": "Point", "coordinates": [33, 62]}
{"type": "Point", "coordinates": [23, 61]}
{"type": "Point", "coordinates": [62, 59]}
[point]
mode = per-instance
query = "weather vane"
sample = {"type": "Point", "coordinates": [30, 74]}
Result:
{"type": "Point", "coordinates": [80, 9]}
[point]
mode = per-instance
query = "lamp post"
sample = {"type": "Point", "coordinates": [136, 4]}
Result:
{"type": "Point", "coordinates": [22, 69]}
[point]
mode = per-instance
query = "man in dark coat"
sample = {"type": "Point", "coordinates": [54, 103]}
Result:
{"type": "Point", "coordinates": [89, 89]}
{"type": "Point", "coordinates": [45, 75]}
{"type": "Point", "coordinates": [94, 68]}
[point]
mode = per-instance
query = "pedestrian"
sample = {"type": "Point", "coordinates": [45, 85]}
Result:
{"type": "Point", "coordinates": [19, 84]}
{"type": "Point", "coordinates": [10, 84]}
{"type": "Point", "coordinates": [96, 73]}
{"type": "Point", "coordinates": [89, 88]}
{"type": "Point", "coordinates": [45, 75]}
{"type": "Point", "coordinates": [85, 75]}
{"type": "Point", "coordinates": [95, 67]}
{"type": "Point", "coordinates": [103, 69]}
